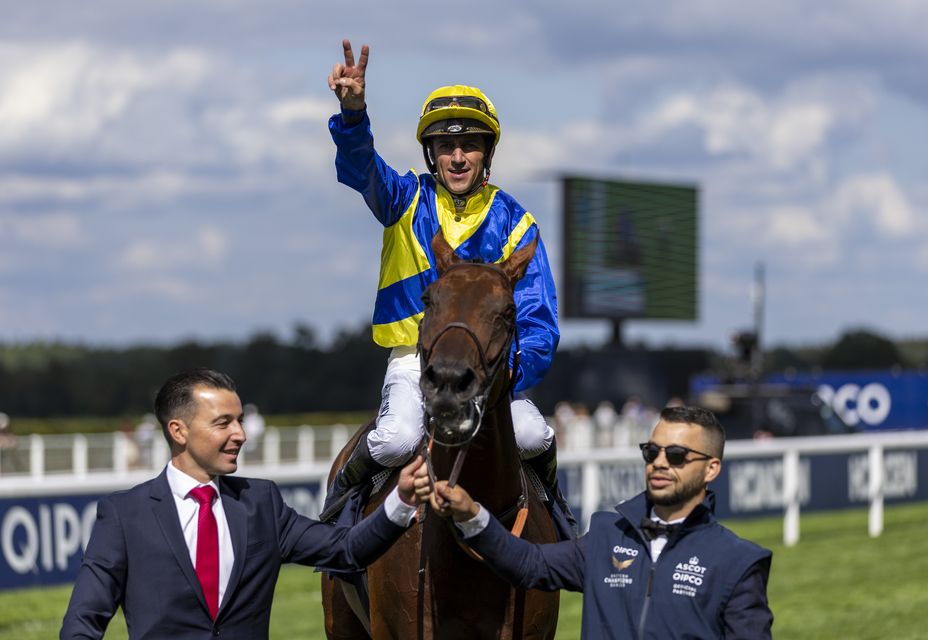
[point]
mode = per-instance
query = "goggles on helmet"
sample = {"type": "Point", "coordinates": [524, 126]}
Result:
{"type": "Point", "coordinates": [467, 102]}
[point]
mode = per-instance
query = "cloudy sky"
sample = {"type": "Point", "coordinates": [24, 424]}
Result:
{"type": "Point", "coordinates": [166, 171]}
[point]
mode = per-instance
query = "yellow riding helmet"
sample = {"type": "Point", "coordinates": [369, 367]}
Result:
{"type": "Point", "coordinates": [458, 110]}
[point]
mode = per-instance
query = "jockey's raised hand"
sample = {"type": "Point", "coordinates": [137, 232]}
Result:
{"type": "Point", "coordinates": [347, 80]}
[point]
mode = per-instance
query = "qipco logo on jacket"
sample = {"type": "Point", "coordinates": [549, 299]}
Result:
{"type": "Point", "coordinates": [854, 404]}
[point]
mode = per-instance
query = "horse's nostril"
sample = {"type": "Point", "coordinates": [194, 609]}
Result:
{"type": "Point", "coordinates": [429, 378]}
{"type": "Point", "coordinates": [465, 381]}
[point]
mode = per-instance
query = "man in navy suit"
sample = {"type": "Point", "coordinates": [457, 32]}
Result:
{"type": "Point", "coordinates": [143, 555]}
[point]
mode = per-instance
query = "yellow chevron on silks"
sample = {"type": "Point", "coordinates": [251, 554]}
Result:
{"type": "Point", "coordinates": [458, 227]}
{"type": "Point", "coordinates": [516, 236]}
{"type": "Point", "coordinates": [401, 255]}
{"type": "Point", "coordinates": [403, 332]}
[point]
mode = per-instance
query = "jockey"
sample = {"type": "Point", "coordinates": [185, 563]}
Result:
{"type": "Point", "coordinates": [458, 130]}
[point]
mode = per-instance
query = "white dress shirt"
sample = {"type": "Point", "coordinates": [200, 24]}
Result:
{"type": "Point", "coordinates": [660, 541]}
{"type": "Point", "coordinates": [470, 528]}
{"type": "Point", "coordinates": [188, 510]}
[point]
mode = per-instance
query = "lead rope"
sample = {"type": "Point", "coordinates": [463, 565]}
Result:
{"type": "Point", "coordinates": [521, 517]}
{"type": "Point", "coordinates": [517, 526]}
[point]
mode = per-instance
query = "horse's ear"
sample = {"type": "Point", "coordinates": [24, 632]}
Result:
{"type": "Point", "coordinates": [444, 254]}
{"type": "Point", "coordinates": [517, 263]}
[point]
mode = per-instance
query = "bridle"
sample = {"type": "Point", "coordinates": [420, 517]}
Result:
{"type": "Point", "coordinates": [490, 369]}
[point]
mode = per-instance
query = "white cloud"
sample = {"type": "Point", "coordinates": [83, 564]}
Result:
{"type": "Point", "coordinates": [206, 247]}
{"type": "Point", "coordinates": [69, 93]}
{"type": "Point", "coordinates": [141, 255]}
{"type": "Point", "coordinates": [825, 231]}
{"type": "Point", "coordinates": [796, 226]}
{"type": "Point", "coordinates": [877, 199]}
{"type": "Point", "coordinates": [56, 230]}
{"type": "Point", "coordinates": [171, 288]}
{"type": "Point", "coordinates": [152, 159]}
{"type": "Point", "coordinates": [298, 110]}
{"type": "Point", "coordinates": [735, 120]}
{"type": "Point", "coordinates": [212, 244]}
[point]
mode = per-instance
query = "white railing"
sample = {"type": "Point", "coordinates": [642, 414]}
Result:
{"type": "Point", "coordinates": [875, 445]}
{"type": "Point", "coordinates": [43, 464]}
{"type": "Point", "coordinates": [57, 464]}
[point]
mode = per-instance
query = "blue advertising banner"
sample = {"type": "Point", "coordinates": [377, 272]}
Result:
{"type": "Point", "coordinates": [869, 400]}
{"type": "Point", "coordinates": [862, 400]}
{"type": "Point", "coordinates": [42, 539]}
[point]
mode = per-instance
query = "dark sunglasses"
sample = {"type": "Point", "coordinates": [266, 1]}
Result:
{"type": "Point", "coordinates": [468, 102]}
{"type": "Point", "coordinates": [675, 453]}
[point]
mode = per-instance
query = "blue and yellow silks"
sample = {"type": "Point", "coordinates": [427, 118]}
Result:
{"type": "Point", "coordinates": [412, 208]}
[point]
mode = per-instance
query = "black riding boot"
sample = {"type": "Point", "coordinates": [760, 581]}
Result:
{"type": "Point", "coordinates": [359, 469]}
{"type": "Point", "coordinates": [545, 466]}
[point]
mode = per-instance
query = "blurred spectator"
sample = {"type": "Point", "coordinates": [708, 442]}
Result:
{"type": "Point", "coordinates": [144, 438]}
{"type": "Point", "coordinates": [605, 419]}
{"type": "Point", "coordinates": [133, 450]}
{"type": "Point", "coordinates": [638, 420]}
{"type": "Point", "coordinates": [578, 430]}
{"type": "Point", "coordinates": [580, 433]}
{"type": "Point", "coordinates": [8, 449]}
{"type": "Point", "coordinates": [254, 426]}
{"type": "Point", "coordinates": [7, 437]}
{"type": "Point", "coordinates": [563, 418]}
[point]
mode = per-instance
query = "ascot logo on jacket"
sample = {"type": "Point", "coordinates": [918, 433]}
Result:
{"type": "Point", "coordinates": [687, 577]}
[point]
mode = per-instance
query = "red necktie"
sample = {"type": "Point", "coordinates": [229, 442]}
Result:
{"type": "Point", "coordinates": [207, 565]}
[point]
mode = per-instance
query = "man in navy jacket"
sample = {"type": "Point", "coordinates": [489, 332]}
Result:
{"type": "Point", "coordinates": [660, 566]}
{"type": "Point", "coordinates": [143, 552]}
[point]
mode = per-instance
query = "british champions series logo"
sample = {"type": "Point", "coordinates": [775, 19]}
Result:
{"type": "Point", "coordinates": [622, 558]}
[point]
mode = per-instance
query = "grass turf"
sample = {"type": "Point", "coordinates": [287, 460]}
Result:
{"type": "Point", "coordinates": [836, 583]}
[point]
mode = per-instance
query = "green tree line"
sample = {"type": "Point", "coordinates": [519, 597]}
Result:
{"type": "Point", "coordinates": [280, 376]}
{"type": "Point", "coordinates": [298, 375]}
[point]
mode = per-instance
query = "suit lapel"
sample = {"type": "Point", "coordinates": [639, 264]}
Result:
{"type": "Point", "coordinates": [237, 520]}
{"type": "Point", "coordinates": [166, 515]}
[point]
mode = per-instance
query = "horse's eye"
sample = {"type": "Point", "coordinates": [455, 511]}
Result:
{"type": "Point", "coordinates": [426, 299]}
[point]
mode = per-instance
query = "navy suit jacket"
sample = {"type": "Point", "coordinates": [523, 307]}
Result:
{"type": "Point", "coordinates": [137, 558]}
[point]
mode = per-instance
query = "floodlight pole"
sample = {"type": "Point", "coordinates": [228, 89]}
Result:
{"type": "Point", "coordinates": [756, 363]}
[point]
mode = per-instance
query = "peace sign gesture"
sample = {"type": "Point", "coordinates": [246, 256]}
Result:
{"type": "Point", "coordinates": [347, 80]}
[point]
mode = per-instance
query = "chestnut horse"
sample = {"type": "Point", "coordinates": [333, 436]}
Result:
{"type": "Point", "coordinates": [426, 586]}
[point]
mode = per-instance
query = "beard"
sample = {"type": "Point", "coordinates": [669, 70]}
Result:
{"type": "Point", "coordinates": [680, 493]}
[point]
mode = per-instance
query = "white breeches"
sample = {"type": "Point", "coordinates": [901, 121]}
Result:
{"type": "Point", "coordinates": [399, 422]}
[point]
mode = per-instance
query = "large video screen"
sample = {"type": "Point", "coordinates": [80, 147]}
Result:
{"type": "Point", "coordinates": [629, 250]}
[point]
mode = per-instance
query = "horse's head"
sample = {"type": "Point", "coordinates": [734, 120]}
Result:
{"type": "Point", "coordinates": [465, 336]}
